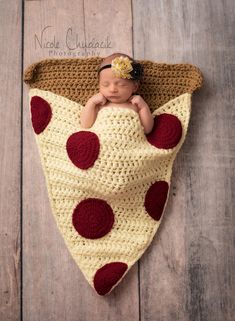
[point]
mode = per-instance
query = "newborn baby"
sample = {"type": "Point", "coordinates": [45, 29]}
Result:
{"type": "Point", "coordinates": [119, 79]}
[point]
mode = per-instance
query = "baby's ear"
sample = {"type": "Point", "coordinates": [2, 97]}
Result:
{"type": "Point", "coordinates": [136, 86]}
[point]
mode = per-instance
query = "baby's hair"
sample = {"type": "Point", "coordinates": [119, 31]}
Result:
{"type": "Point", "coordinates": [108, 60]}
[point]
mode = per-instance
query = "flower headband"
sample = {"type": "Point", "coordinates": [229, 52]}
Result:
{"type": "Point", "coordinates": [123, 67]}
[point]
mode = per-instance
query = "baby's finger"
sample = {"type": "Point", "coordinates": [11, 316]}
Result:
{"type": "Point", "coordinates": [130, 99]}
{"type": "Point", "coordinates": [134, 101]}
{"type": "Point", "coordinates": [103, 101]}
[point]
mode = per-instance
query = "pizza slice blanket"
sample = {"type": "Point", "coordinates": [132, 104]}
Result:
{"type": "Point", "coordinates": [108, 185]}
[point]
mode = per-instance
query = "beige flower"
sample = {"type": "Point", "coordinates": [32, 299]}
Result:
{"type": "Point", "coordinates": [121, 66]}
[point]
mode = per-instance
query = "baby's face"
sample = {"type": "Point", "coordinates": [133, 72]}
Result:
{"type": "Point", "coordinates": [116, 90]}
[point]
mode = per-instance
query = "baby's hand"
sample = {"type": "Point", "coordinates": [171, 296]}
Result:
{"type": "Point", "coordinates": [98, 99]}
{"type": "Point", "coordinates": [138, 101]}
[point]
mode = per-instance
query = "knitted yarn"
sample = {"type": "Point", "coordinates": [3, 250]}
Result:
{"type": "Point", "coordinates": [108, 185]}
{"type": "Point", "coordinates": [77, 79]}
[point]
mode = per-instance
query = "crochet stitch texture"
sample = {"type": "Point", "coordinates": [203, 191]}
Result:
{"type": "Point", "coordinates": [77, 79]}
{"type": "Point", "coordinates": [108, 185]}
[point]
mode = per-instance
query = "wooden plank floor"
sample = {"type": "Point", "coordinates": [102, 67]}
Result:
{"type": "Point", "coordinates": [187, 273]}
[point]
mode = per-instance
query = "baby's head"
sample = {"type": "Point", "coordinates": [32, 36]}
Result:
{"type": "Point", "coordinates": [119, 77]}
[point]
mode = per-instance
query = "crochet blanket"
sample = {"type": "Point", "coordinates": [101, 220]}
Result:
{"type": "Point", "coordinates": [108, 185]}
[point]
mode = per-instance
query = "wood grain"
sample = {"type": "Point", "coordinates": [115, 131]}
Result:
{"type": "Point", "coordinates": [10, 160]}
{"type": "Point", "coordinates": [188, 273]}
{"type": "Point", "coordinates": [54, 287]}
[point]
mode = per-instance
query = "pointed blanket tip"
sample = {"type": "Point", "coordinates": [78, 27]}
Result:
{"type": "Point", "coordinates": [109, 276]}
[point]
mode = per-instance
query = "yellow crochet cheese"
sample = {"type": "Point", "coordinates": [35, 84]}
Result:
{"type": "Point", "coordinates": [125, 168]}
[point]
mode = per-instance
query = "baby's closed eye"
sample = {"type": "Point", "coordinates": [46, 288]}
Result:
{"type": "Point", "coordinates": [105, 84]}
{"type": "Point", "coordinates": [119, 84]}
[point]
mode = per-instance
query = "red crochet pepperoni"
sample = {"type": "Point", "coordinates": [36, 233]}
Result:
{"type": "Point", "coordinates": [93, 218]}
{"type": "Point", "coordinates": [108, 275]}
{"type": "Point", "coordinates": [41, 114]}
{"type": "Point", "coordinates": [155, 199]}
{"type": "Point", "coordinates": [83, 149]}
{"type": "Point", "coordinates": [166, 132]}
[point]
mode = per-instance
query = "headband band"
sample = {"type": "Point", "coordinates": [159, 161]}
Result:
{"type": "Point", "coordinates": [104, 67]}
{"type": "Point", "coordinates": [123, 67]}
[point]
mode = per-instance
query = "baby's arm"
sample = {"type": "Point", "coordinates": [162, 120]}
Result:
{"type": "Point", "coordinates": [145, 115]}
{"type": "Point", "coordinates": [146, 119]}
{"type": "Point", "coordinates": [89, 112]}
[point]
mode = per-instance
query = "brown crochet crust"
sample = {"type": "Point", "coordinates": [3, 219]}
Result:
{"type": "Point", "coordinates": [76, 79]}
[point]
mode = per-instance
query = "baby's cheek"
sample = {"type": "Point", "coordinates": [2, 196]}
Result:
{"type": "Point", "coordinates": [102, 91]}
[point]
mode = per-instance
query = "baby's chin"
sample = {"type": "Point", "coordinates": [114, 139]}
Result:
{"type": "Point", "coordinates": [116, 100]}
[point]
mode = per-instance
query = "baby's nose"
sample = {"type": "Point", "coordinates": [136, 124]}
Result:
{"type": "Point", "coordinates": [113, 88]}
